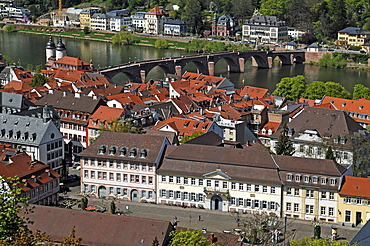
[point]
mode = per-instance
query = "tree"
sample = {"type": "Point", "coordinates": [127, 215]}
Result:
{"type": "Point", "coordinates": [123, 37]}
{"type": "Point", "coordinates": [333, 89]}
{"type": "Point", "coordinates": [329, 155]}
{"type": "Point", "coordinates": [39, 80]}
{"type": "Point", "coordinates": [192, 14]}
{"type": "Point", "coordinates": [188, 237]}
{"type": "Point", "coordinates": [361, 91]}
{"type": "Point", "coordinates": [317, 242]}
{"type": "Point", "coordinates": [360, 144]}
{"type": "Point", "coordinates": [38, 69]}
{"type": "Point", "coordinates": [10, 28]}
{"type": "Point", "coordinates": [86, 30]}
{"type": "Point", "coordinates": [11, 205]}
{"type": "Point", "coordinates": [161, 44]}
{"type": "Point", "coordinates": [291, 88]}
{"type": "Point", "coordinates": [112, 207]}
{"type": "Point", "coordinates": [9, 61]}
{"type": "Point", "coordinates": [29, 67]}
{"type": "Point", "coordinates": [118, 125]}
{"type": "Point", "coordinates": [274, 8]}
{"type": "Point", "coordinates": [315, 90]}
{"type": "Point", "coordinates": [84, 202]}
{"type": "Point", "coordinates": [284, 145]}
{"type": "Point", "coordinates": [192, 136]}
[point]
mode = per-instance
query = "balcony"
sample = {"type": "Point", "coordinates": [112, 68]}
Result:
{"type": "Point", "coordinates": [216, 191]}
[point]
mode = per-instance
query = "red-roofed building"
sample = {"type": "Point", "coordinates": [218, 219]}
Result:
{"type": "Point", "coordinates": [37, 180]}
{"type": "Point", "coordinates": [154, 20]}
{"type": "Point", "coordinates": [186, 127]}
{"type": "Point", "coordinates": [354, 201]}
{"type": "Point", "coordinates": [251, 92]}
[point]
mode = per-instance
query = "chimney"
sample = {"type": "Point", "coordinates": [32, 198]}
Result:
{"type": "Point", "coordinates": [51, 91]}
{"type": "Point", "coordinates": [95, 97]}
{"type": "Point", "coordinates": [77, 95]}
{"type": "Point", "coordinates": [211, 238]}
{"type": "Point", "coordinates": [64, 93]}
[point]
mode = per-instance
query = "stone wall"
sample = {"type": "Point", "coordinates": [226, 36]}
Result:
{"type": "Point", "coordinates": [314, 56]}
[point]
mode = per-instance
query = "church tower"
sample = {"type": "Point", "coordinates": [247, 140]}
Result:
{"type": "Point", "coordinates": [50, 49]}
{"type": "Point", "coordinates": [61, 50]}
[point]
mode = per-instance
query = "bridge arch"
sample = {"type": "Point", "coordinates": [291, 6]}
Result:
{"type": "Point", "coordinates": [232, 63]}
{"type": "Point", "coordinates": [202, 67]}
{"type": "Point", "coordinates": [258, 60]}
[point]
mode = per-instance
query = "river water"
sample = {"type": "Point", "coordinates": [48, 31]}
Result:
{"type": "Point", "coordinates": [30, 49]}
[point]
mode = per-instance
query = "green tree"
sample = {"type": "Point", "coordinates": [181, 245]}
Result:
{"type": "Point", "coordinates": [39, 80]}
{"type": "Point", "coordinates": [192, 14]}
{"type": "Point", "coordinates": [192, 136]}
{"type": "Point", "coordinates": [274, 8]}
{"type": "Point", "coordinates": [161, 44]}
{"type": "Point", "coordinates": [123, 37]}
{"type": "Point", "coordinates": [333, 89]}
{"type": "Point", "coordinates": [361, 91]}
{"type": "Point", "coordinates": [112, 207]}
{"type": "Point", "coordinates": [86, 30]}
{"type": "Point", "coordinates": [315, 90]}
{"type": "Point", "coordinates": [9, 61]}
{"type": "Point", "coordinates": [338, 16]}
{"type": "Point", "coordinates": [10, 28]}
{"type": "Point", "coordinates": [11, 205]}
{"type": "Point", "coordinates": [317, 242]}
{"type": "Point", "coordinates": [84, 202]}
{"type": "Point", "coordinates": [188, 237]}
{"type": "Point", "coordinates": [291, 88]}
{"type": "Point", "coordinates": [38, 69]}
{"type": "Point", "coordinates": [329, 155]}
{"type": "Point", "coordinates": [118, 125]}
{"type": "Point", "coordinates": [284, 145]}
{"type": "Point", "coordinates": [328, 60]}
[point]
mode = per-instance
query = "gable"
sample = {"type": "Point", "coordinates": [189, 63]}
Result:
{"type": "Point", "coordinates": [217, 174]}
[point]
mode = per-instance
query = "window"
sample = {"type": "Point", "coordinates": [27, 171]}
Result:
{"type": "Point", "coordinates": [224, 184]}
{"type": "Point", "coordinates": [92, 174]}
{"type": "Point", "coordinates": [306, 179]}
{"type": "Point", "coordinates": [200, 197]}
{"type": "Point", "coordinates": [86, 174]}
{"type": "Point", "coordinates": [256, 188]}
{"type": "Point", "coordinates": [110, 190]}
{"type": "Point", "coordinates": [249, 187]}
{"type": "Point", "coordinates": [272, 190]}
{"type": "Point", "coordinates": [164, 178]}
{"type": "Point", "coordinates": [100, 175]}
{"type": "Point", "coordinates": [192, 197]}
{"type": "Point", "coordinates": [309, 193]}
{"type": "Point", "coordinates": [233, 185]}
{"type": "Point", "coordinates": [347, 200]}
{"type": "Point", "coordinates": [319, 151]}
{"type": "Point", "coordinates": [296, 207]}
{"type": "Point", "coordinates": [323, 195]}
{"type": "Point", "coordinates": [150, 180]}
{"type": "Point", "coordinates": [186, 181]}
{"type": "Point", "coordinates": [332, 182]}
{"type": "Point", "coordinates": [171, 193]}
{"type": "Point", "coordinates": [143, 153]}
{"type": "Point", "coordinates": [137, 178]}
{"type": "Point", "coordinates": [132, 178]}
{"type": "Point", "coordinates": [322, 210]}
{"type": "Point", "coordinates": [118, 177]}
{"type": "Point", "coordinates": [240, 201]}
{"type": "Point", "coordinates": [200, 182]}
{"type": "Point", "coordinates": [192, 181]}
{"type": "Point", "coordinates": [296, 191]}
{"type": "Point", "coordinates": [178, 180]}
{"type": "Point", "coordinates": [118, 165]}
{"type": "Point", "coordinates": [256, 203]}
{"type": "Point", "coordinates": [137, 167]}
{"type": "Point", "coordinates": [324, 181]}
{"type": "Point", "coordinates": [178, 195]}
{"type": "Point", "coordinates": [309, 209]}
{"type": "Point", "coordinates": [209, 183]}
{"type": "Point", "coordinates": [163, 193]}
{"type": "Point", "coordinates": [314, 180]}
{"type": "Point", "coordinates": [297, 178]}
{"type": "Point", "coordinates": [264, 189]}
{"type": "Point", "coordinates": [288, 191]}
{"type": "Point", "coordinates": [124, 177]}
{"type": "Point", "coordinates": [288, 206]}
{"type": "Point", "coordinates": [264, 204]}
{"type": "Point", "coordinates": [143, 167]}
{"type": "Point", "coordinates": [186, 196]}
{"type": "Point", "coordinates": [104, 175]}
{"type": "Point", "coordinates": [123, 151]}
{"type": "Point", "coordinates": [272, 206]}
{"type": "Point", "coordinates": [331, 195]}
{"type": "Point", "coordinates": [347, 217]}
{"type": "Point", "coordinates": [124, 192]}
{"type": "Point", "coordinates": [143, 179]}
{"type": "Point", "coordinates": [133, 152]}
{"type": "Point", "coordinates": [171, 179]}
{"type": "Point", "coordinates": [345, 155]}
{"type": "Point", "coordinates": [289, 177]}
{"type": "Point", "coordinates": [111, 176]}
{"type": "Point", "coordinates": [331, 211]}
{"type": "Point", "coordinates": [233, 201]}
{"type": "Point", "coordinates": [241, 186]}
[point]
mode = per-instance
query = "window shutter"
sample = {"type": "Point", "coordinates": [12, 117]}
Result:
{"type": "Point", "coordinates": [115, 191]}
{"type": "Point", "coordinates": [261, 204]}
{"type": "Point", "coordinates": [167, 193]}
{"type": "Point", "coordinates": [197, 197]}
{"type": "Point", "coordinates": [245, 203]}
{"type": "Point", "coordinates": [269, 206]}
{"type": "Point", "coordinates": [252, 203]}
{"type": "Point", "coordinates": [182, 195]}
{"type": "Point", "coordinates": [160, 192]}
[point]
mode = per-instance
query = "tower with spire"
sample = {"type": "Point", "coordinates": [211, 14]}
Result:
{"type": "Point", "coordinates": [61, 50]}
{"type": "Point", "coordinates": [50, 49]}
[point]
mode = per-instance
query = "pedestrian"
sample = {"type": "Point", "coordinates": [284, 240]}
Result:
{"type": "Point", "coordinates": [175, 218]}
{"type": "Point", "coordinates": [199, 218]}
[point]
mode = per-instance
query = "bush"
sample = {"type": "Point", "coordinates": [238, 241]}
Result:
{"type": "Point", "coordinates": [10, 28]}
{"type": "Point", "coordinates": [161, 44]}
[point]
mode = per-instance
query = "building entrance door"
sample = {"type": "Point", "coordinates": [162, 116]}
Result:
{"type": "Point", "coordinates": [102, 192]}
{"type": "Point", "coordinates": [358, 218]}
{"type": "Point", "coordinates": [216, 203]}
{"type": "Point", "coordinates": [134, 196]}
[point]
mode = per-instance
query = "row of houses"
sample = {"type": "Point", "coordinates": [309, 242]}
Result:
{"type": "Point", "coordinates": [206, 174]}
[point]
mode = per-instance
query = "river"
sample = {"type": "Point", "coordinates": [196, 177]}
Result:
{"type": "Point", "coordinates": [30, 49]}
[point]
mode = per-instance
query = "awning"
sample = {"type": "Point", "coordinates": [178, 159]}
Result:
{"type": "Point", "coordinates": [76, 143]}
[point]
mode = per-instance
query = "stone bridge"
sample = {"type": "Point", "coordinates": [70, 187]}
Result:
{"type": "Point", "coordinates": [205, 63]}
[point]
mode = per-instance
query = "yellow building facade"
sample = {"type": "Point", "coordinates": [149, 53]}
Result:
{"type": "Point", "coordinates": [353, 36]}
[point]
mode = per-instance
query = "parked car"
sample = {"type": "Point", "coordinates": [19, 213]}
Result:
{"type": "Point", "coordinates": [76, 165]}
{"type": "Point", "coordinates": [73, 177]}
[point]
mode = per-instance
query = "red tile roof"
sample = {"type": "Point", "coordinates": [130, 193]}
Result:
{"type": "Point", "coordinates": [103, 114]}
{"type": "Point", "coordinates": [253, 92]}
{"type": "Point", "coordinates": [184, 127]}
{"type": "Point", "coordinates": [356, 186]}
{"type": "Point", "coordinates": [158, 11]}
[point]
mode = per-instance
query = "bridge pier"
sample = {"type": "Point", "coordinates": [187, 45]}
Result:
{"type": "Point", "coordinates": [211, 68]}
{"type": "Point", "coordinates": [254, 62]}
{"type": "Point", "coordinates": [178, 70]}
{"type": "Point", "coordinates": [142, 76]}
{"type": "Point", "coordinates": [269, 61]}
{"type": "Point", "coordinates": [241, 65]}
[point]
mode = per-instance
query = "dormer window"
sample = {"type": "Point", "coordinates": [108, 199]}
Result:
{"type": "Point", "coordinates": [186, 124]}
{"type": "Point", "coordinates": [204, 127]}
{"type": "Point", "coordinates": [263, 131]}
{"type": "Point", "coordinates": [306, 179]}
{"type": "Point", "coordinates": [112, 150]}
{"type": "Point", "coordinates": [143, 121]}
{"type": "Point", "coordinates": [289, 177]}
{"type": "Point", "coordinates": [297, 178]}
{"type": "Point", "coordinates": [16, 122]}
{"type": "Point", "coordinates": [333, 181]}
{"type": "Point", "coordinates": [344, 104]}
{"type": "Point", "coordinates": [143, 153]}
{"type": "Point", "coordinates": [123, 151]}
{"type": "Point", "coordinates": [133, 152]}
{"type": "Point", "coordinates": [195, 126]}
{"type": "Point", "coordinates": [324, 181]}
{"type": "Point", "coordinates": [336, 139]}
{"type": "Point", "coordinates": [102, 150]}
{"type": "Point", "coordinates": [94, 122]}
{"type": "Point", "coordinates": [343, 140]}
{"type": "Point", "coordinates": [361, 107]}
{"type": "Point", "coordinates": [314, 180]}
